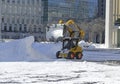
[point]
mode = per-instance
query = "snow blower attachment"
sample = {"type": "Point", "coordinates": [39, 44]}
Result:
{"type": "Point", "coordinates": [71, 37]}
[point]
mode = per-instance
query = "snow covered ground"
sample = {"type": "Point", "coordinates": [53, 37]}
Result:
{"type": "Point", "coordinates": [59, 72]}
{"type": "Point", "coordinates": [24, 61]}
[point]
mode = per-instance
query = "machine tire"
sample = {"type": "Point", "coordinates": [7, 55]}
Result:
{"type": "Point", "coordinates": [71, 55]}
{"type": "Point", "coordinates": [79, 55]}
{"type": "Point", "coordinates": [57, 54]}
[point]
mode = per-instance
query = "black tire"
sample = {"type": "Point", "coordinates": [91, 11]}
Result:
{"type": "Point", "coordinates": [71, 55]}
{"type": "Point", "coordinates": [79, 55]}
{"type": "Point", "coordinates": [57, 54]}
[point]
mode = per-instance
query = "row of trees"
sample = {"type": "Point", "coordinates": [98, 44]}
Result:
{"type": "Point", "coordinates": [94, 30]}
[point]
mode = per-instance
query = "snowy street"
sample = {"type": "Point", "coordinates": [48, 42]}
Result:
{"type": "Point", "coordinates": [59, 72]}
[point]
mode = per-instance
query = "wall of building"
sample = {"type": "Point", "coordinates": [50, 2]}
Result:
{"type": "Point", "coordinates": [0, 20]}
{"type": "Point", "coordinates": [112, 31]}
{"type": "Point", "coordinates": [116, 15]}
{"type": "Point", "coordinates": [116, 10]}
{"type": "Point", "coordinates": [118, 38]}
{"type": "Point", "coordinates": [20, 18]}
{"type": "Point", "coordinates": [78, 10]}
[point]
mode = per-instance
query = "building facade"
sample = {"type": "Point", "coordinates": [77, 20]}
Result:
{"type": "Point", "coordinates": [77, 10]}
{"type": "Point", "coordinates": [112, 31]}
{"type": "Point", "coordinates": [21, 18]}
{"type": "Point", "coordinates": [116, 29]}
{"type": "Point", "coordinates": [116, 10]}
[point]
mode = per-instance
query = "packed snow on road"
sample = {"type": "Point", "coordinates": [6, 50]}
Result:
{"type": "Point", "coordinates": [24, 61]}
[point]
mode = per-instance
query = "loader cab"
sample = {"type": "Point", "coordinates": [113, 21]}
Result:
{"type": "Point", "coordinates": [69, 43]}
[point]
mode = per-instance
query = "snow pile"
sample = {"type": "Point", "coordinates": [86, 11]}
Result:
{"type": "Point", "coordinates": [90, 45]}
{"type": "Point", "coordinates": [28, 50]}
{"type": "Point", "coordinates": [54, 32]}
{"type": "Point", "coordinates": [48, 49]}
{"type": "Point", "coordinates": [100, 45]}
{"type": "Point", "coordinates": [19, 50]}
{"type": "Point", "coordinates": [86, 45]}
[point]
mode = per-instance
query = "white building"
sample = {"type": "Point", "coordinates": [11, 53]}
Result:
{"type": "Point", "coordinates": [21, 18]}
{"type": "Point", "coordinates": [112, 31]}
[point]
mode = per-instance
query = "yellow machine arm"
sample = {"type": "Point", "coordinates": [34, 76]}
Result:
{"type": "Point", "coordinates": [81, 32]}
{"type": "Point", "coordinates": [70, 30]}
{"type": "Point", "coordinates": [67, 28]}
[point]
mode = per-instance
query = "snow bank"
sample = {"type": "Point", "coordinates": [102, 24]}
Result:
{"type": "Point", "coordinates": [54, 34]}
{"type": "Point", "coordinates": [28, 50]}
{"type": "Point", "coordinates": [48, 49]}
{"type": "Point", "coordinates": [90, 45]}
{"type": "Point", "coordinates": [86, 45]}
{"type": "Point", "coordinates": [19, 50]}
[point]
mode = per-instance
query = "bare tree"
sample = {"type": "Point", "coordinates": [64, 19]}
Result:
{"type": "Point", "coordinates": [94, 29]}
{"type": "Point", "coordinates": [99, 27]}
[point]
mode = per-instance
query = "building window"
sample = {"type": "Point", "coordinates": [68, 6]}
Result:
{"type": "Point", "coordinates": [20, 28]}
{"type": "Point", "coordinates": [8, 1]}
{"type": "Point", "coordinates": [27, 21]}
{"type": "Point", "coordinates": [10, 28]}
{"type": "Point", "coordinates": [22, 21]}
{"type": "Point", "coordinates": [15, 28]}
{"type": "Point", "coordinates": [33, 2]}
{"type": "Point", "coordinates": [38, 1]}
{"type": "Point", "coordinates": [5, 28]}
{"type": "Point", "coordinates": [35, 30]}
{"type": "Point", "coordinates": [28, 1]}
{"type": "Point", "coordinates": [23, 1]}
{"type": "Point", "coordinates": [32, 21]}
{"type": "Point", "coordinates": [37, 21]}
{"type": "Point", "coordinates": [17, 20]}
{"type": "Point", "coordinates": [2, 19]}
{"type": "Point", "coordinates": [18, 1]}
{"type": "Point", "coordinates": [13, 1]}
{"type": "Point", "coordinates": [3, 0]}
{"type": "Point", "coordinates": [25, 28]}
{"type": "Point", "coordinates": [39, 29]}
{"type": "Point", "coordinates": [12, 21]}
{"type": "Point", "coordinates": [8, 20]}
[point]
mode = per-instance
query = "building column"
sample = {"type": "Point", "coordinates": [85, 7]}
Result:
{"type": "Point", "coordinates": [0, 21]}
{"type": "Point", "coordinates": [109, 23]}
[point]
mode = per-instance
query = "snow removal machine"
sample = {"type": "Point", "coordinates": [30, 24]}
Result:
{"type": "Point", "coordinates": [72, 34]}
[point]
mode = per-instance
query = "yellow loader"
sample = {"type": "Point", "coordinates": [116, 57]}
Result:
{"type": "Point", "coordinates": [71, 37]}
